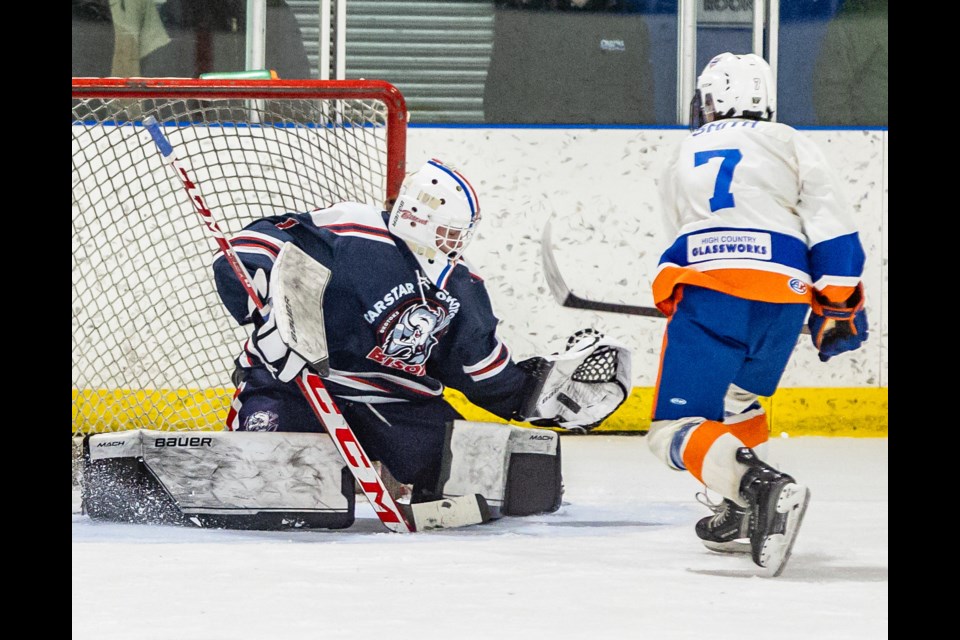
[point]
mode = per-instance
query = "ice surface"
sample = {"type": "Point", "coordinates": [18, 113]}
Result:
{"type": "Point", "coordinates": [618, 560]}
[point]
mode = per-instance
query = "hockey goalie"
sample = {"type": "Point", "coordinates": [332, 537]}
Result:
{"type": "Point", "coordinates": [384, 306]}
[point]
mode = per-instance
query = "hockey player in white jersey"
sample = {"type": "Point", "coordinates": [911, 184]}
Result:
{"type": "Point", "coordinates": [760, 236]}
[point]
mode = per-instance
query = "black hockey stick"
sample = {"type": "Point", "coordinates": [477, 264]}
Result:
{"type": "Point", "coordinates": [567, 298]}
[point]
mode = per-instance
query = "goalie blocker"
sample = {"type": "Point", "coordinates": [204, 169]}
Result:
{"type": "Point", "coordinates": [278, 480]}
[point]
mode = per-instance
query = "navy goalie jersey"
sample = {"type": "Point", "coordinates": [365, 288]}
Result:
{"type": "Point", "coordinates": [399, 326]}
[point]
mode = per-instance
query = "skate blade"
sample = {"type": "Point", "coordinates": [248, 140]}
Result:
{"type": "Point", "coordinates": [731, 547]}
{"type": "Point", "coordinates": [776, 550]}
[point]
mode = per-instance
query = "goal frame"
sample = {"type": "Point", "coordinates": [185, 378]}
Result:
{"type": "Point", "coordinates": [265, 89]}
{"type": "Point", "coordinates": [392, 166]}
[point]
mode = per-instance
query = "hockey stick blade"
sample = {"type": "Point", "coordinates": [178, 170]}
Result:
{"type": "Point", "coordinates": [567, 298]}
{"type": "Point", "coordinates": [448, 513]}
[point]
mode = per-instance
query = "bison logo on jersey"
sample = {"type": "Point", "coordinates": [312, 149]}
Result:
{"type": "Point", "coordinates": [409, 336]}
{"type": "Point", "coordinates": [412, 339]}
{"type": "Point", "coordinates": [261, 421]}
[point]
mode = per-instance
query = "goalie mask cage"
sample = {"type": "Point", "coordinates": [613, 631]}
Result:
{"type": "Point", "coordinates": [153, 346]}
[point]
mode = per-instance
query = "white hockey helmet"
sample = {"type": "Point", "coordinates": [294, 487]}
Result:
{"type": "Point", "coordinates": [436, 210]}
{"type": "Point", "coordinates": [733, 86]}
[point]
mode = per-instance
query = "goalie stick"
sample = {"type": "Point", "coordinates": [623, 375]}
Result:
{"type": "Point", "coordinates": [460, 511]}
{"type": "Point", "coordinates": [567, 298]}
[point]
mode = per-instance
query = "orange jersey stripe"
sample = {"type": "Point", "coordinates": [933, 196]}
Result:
{"type": "Point", "coordinates": [750, 284]}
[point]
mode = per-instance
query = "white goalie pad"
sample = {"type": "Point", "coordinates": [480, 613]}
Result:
{"type": "Point", "coordinates": [297, 285]}
{"type": "Point", "coordinates": [582, 386]}
{"type": "Point", "coordinates": [225, 478]}
{"type": "Point", "coordinates": [516, 469]}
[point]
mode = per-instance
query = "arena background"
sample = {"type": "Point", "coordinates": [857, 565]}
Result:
{"type": "Point", "coordinates": [599, 187]}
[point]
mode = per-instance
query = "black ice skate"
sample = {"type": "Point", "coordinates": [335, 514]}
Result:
{"type": "Point", "coordinates": [776, 505]}
{"type": "Point", "coordinates": [727, 530]}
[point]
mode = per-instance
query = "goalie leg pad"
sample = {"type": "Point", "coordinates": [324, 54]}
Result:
{"type": "Point", "coordinates": [257, 480]}
{"type": "Point", "coordinates": [517, 470]}
{"type": "Point", "coordinates": [123, 490]}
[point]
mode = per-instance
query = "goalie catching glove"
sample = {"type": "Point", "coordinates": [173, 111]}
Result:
{"type": "Point", "coordinates": [837, 328]}
{"type": "Point", "coordinates": [579, 388]}
{"type": "Point", "coordinates": [281, 361]}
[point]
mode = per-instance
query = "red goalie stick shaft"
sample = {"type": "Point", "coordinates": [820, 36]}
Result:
{"type": "Point", "coordinates": [316, 394]}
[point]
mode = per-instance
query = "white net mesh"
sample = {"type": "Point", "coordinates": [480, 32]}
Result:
{"type": "Point", "coordinates": [153, 345]}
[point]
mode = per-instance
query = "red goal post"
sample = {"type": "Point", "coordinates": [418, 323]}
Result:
{"type": "Point", "coordinates": [152, 344]}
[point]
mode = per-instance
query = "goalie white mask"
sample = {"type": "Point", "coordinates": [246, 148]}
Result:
{"type": "Point", "coordinates": [436, 210]}
{"type": "Point", "coordinates": [733, 86]}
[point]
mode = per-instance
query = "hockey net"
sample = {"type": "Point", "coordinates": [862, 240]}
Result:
{"type": "Point", "coordinates": [153, 346]}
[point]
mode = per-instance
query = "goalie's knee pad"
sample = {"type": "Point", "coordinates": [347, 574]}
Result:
{"type": "Point", "coordinates": [516, 469]}
{"type": "Point", "coordinates": [255, 480]}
